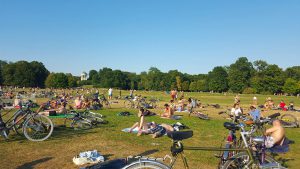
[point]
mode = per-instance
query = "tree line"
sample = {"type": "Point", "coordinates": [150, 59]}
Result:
{"type": "Point", "coordinates": [242, 76]}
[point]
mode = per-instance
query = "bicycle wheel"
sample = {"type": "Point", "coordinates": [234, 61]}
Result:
{"type": "Point", "coordinates": [289, 120]}
{"type": "Point", "coordinates": [18, 123]}
{"type": "Point", "coordinates": [153, 104]}
{"type": "Point", "coordinates": [81, 125]}
{"type": "Point", "coordinates": [242, 160]}
{"type": "Point", "coordinates": [149, 164]}
{"type": "Point", "coordinates": [38, 128]}
{"type": "Point", "coordinates": [106, 104]}
{"type": "Point", "coordinates": [128, 104]}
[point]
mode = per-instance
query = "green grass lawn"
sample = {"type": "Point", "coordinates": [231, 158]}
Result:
{"type": "Point", "coordinates": [109, 140]}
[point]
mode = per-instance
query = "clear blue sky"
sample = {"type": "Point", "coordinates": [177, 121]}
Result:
{"type": "Point", "coordinates": [133, 35]}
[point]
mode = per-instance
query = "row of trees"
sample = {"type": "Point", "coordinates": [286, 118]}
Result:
{"type": "Point", "coordinates": [33, 74]}
{"type": "Point", "coordinates": [242, 76]}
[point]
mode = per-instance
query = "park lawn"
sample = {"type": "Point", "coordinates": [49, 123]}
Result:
{"type": "Point", "coordinates": [109, 140]}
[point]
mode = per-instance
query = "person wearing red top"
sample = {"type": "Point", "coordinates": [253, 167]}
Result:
{"type": "Point", "coordinates": [282, 105]}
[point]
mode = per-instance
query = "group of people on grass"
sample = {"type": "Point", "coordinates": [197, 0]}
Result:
{"type": "Point", "coordinates": [276, 134]}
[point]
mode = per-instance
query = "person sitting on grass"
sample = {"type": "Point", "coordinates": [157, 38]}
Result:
{"type": "Point", "coordinates": [282, 105]}
{"type": "Point", "coordinates": [141, 125]}
{"type": "Point", "coordinates": [275, 135]}
{"type": "Point", "coordinates": [86, 104]}
{"type": "Point", "coordinates": [168, 112]}
{"type": "Point", "coordinates": [254, 113]}
{"type": "Point", "coordinates": [78, 103]}
{"type": "Point", "coordinates": [52, 112]}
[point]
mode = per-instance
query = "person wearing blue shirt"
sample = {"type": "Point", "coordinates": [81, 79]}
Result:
{"type": "Point", "coordinates": [254, 113]}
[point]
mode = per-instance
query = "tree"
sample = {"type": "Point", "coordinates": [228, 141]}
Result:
{"type": "Point", "coordinates": [23, 73]}
{"type": "Point", "coordinates": [72, 81]}
{"type": "Point", "coordinates": [202, 85]}
{"type": "Point", "coordinates": [291, 86]}
{"type": "Point", "coordinates": [178, 83]}
{"type": "Point", "coordinates": [92, 73]}
{"type": "Point", "coordinates": [239, 74]}
{"type": "Point", "coordinates": [2, 64]}
{"type": "Point", "coordinates": [270, 80]}
{"type": "Point", "coordinates": [293, 72]}
{"type": "Point", "coordinates": [57, 80]}
{"type": "Point", "coordinates": [185, 86]}
{"type": "Point", "coordinates": [217, 79]}
{"type": "Point", "coordinates": [193, 86]}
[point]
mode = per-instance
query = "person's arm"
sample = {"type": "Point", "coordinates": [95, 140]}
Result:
{"type": "Point", "coordinates": [142, 121]}
{"type": "Point", "coordinates": [270, 130]}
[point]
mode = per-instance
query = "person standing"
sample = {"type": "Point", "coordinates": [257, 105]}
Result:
{"type": "Point", "coordinates": [110, 93]}
{"type": "Point", "coordinates": [254, 101]}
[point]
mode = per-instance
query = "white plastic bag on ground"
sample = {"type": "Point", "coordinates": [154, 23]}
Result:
{"type": "Point", "coordinates": [88, 157]}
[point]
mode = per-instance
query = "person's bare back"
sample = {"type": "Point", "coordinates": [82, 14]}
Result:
{"type": "Point", "coordinates": [277, 132]}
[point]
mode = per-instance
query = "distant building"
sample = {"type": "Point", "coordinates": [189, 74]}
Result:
{"type": "Point", "coordinates": [83, 76]}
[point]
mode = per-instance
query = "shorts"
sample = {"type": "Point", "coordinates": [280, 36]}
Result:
{"type": "Point", "coordinates": [158, 130]}
{"type": "Point", "coordinates": [52, 113]}
{"type": "Point", "coordinates": [269, 142]}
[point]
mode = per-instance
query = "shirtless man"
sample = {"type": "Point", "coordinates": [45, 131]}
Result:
{"type": "Point", "coordinates": [275, 134]}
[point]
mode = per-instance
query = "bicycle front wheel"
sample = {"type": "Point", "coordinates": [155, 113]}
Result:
{"type": "Point", "coordinates": [242, 160]}
{"type": "Point", "coordinates": [38, 128]}
{"type": "Point", "coordinates": [146, 165]}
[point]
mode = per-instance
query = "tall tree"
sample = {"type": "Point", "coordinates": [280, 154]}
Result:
{"type": "Point", "coordinates": [217, 79]}
{"type": "Point", "coordinates": [239, 74]}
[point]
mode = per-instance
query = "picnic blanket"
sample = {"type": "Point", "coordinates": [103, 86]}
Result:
{"type": "Point", "coordinates": [134, 131]}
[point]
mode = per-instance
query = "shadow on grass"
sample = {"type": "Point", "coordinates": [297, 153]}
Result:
{"type": "Point", "coordinates": [68, 132]}
{"type": "Point", "coordinates": [282, 161]}
{"type": "Point", "coordinates": [107, 156]}
{"type": "Point", "coordinates": [148, 152]}
{"type": "Point", "coordinates": [31, 165]}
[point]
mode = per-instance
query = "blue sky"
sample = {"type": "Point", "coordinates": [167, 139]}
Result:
{"type": "Point", "coordinates": [133, 35]}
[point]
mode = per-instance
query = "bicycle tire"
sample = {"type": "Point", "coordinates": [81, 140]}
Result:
{"type": "Point", "coordinates": [128, 104]}
{"type": "Point", "coordinates": [81, 125]}
{"type": "Point", "coordinates": [146, 164]}
{"type": "Point", "coordinates": [241, 160]}
{"type": "Point", "coordinates": [38, 124]}
{"type": "Point", "coordinates": [289, 120]}
{"type": "Point", "coordinates": [18, 124]}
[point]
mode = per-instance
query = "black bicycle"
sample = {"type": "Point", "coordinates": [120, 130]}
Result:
{"type": "Point", "coordinates": [34, 127]}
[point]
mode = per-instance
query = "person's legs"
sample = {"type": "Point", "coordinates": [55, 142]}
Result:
{"type": "Point", "coordinates": [134, 126]}
{"type": "Point", "coordinates": [167, 127]}
{"type": "Point", "coordinates": [45, 113]}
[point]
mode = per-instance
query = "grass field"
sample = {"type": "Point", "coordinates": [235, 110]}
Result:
{"type": "Point", "coordinates": [65, 143]}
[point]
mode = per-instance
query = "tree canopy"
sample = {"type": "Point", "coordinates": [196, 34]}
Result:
{"type": "Point", "coordinates": [242, 76]}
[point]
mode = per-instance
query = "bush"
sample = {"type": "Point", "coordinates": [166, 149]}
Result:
{"type": "Point", "coordinates": [249, 90]}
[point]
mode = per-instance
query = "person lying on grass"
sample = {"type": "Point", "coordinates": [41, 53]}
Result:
{"type": "Point", "coordinates": [156, 130]}
{"type": "Point", "coordinates": [52, 111]}
{"type": "Point", "coordinates": [168, 112]}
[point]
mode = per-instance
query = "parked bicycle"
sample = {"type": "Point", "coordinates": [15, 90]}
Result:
{"type": "Point", "coordinates": [104, 101]}
{"type": "Point", "coordinates": [34, 127]}
{"type": "Point", "coordinates": [246, 157]}
{"type": "Point", "coordinates": [85, 120]}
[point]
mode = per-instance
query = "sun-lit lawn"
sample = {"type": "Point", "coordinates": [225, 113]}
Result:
{"type": "Point", "coordinates": [65, 143]}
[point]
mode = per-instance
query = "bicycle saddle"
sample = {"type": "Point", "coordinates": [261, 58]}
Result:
{"type": "Point", "coordinates": [180, 135]}
{"type": "Point", "coordinates": [231, 126]}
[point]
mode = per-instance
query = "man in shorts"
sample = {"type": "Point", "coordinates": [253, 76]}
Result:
{"type": "Point", "coordinates": [275, 135]}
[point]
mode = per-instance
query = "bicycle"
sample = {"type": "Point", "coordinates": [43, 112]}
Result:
{"type": "Point", "coordinates": [128, 102]}
{"type": "Point", "coordinates": [85, 120]}
{"type": "Point", "coordinates": [35, 127]}
{"type": "Point", "coordinates": [104, 101]}
{"type": "Point", "coordinates": [245, 157]}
